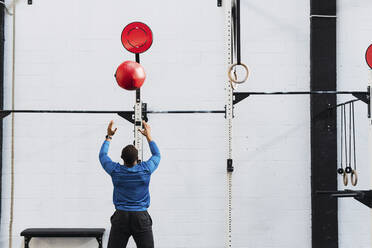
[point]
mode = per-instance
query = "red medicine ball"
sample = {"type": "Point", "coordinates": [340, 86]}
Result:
{"type": "Point", "coordinates": [130, 75]}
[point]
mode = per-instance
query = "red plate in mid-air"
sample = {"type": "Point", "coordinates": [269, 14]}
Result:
{"type": "Point", "coordinates": [369, 56]}
{"type": "Point", "coordinates": [136, 37]}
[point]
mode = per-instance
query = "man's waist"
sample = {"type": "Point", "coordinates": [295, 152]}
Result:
{"type": "Point", "coordinates": [131, 208]}
{"type": "Point", "coordinates": [130, 212]}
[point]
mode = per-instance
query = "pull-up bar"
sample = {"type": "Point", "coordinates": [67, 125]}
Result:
{"type": "Point", "coordinates": [7, 112]}
{"type": "Point", "coordinates": [316, 92]}
{"type": "Point", "coordinates": [238, 96]}
{"type": "Point", "coordinates": [128, 115]}
{"type": "Point", "coordinates": [361, 95]}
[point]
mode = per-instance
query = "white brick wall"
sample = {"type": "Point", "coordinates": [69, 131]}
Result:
{"type": "Point", "coordinates": [354, 36]}
{"type": "Point", "coordinates": [66, 55]}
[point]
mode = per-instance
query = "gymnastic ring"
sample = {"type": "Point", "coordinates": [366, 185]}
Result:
{"type": "Point", "coordinates": [234, 80]}
{"type": "Point", "coordinates": [345, 179]}
{"type": "Point", "coordinates": [340, 171]}
{"type": "Point", "coordinates": [354, 178]}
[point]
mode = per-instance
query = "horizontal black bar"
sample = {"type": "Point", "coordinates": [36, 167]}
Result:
{"type": "Point", "coordinates": [188, 112]}
{"type": "Point", "coordinates": [114, 112]}
{"type": "Point", "coordinates": [363, 196]}
{"type": "Point", "coordinates": [344, 193]}
{"type": "Point", "coordinates": [64, 111]}
{"type": "Point", "coordinates": [301, 92]}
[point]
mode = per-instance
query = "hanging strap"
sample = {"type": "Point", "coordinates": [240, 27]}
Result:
{"type": "Point", "coordinates": [235, 12]}
{"type": "Point", "coordinates": [236, 44]}
{"type": "Point", "coordinates": [345, 177]}
{"type": "Point", "coordinates": [353, 122]}
{"type": "Point", "coordinates": [345, 142]}
{"type": "Point", "coordinates": [354, 175]}
{"type": "Point", "coordinates": [350, 128]}
{"type": "Point", "coordinates": [341, 169]}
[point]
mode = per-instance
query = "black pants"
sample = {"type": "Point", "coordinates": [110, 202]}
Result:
{"type": "Point", "coordinates": [125, 224]}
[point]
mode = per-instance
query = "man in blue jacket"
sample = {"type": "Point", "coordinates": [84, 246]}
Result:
{"type": "Point", "coordinates": [131, 192]}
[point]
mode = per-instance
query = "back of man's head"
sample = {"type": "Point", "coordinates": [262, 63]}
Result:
{"type": "Point", "coordinates": [130, 155]}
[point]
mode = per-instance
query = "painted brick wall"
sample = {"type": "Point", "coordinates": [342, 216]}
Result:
{"type": "Point", "coordinates": [66, 55]}
{"type": "Point", "coordinates": [354, 36]}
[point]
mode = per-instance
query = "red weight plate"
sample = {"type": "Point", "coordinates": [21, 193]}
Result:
{"type": "Point", "coordinates": [136, 37]}
{"type": "Point", "coordinates": [369, 56]}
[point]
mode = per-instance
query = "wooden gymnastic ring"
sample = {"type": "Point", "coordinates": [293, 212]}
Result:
{"type": "Point", "coordinates": [234, 80]}
{"type": "Point", "coordinates": [354, 178]}
{"type": "Point", "coordinates": [345, 178]}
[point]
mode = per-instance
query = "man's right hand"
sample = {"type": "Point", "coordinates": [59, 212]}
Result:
{"type": "Point", "coordinates": [146, 131]}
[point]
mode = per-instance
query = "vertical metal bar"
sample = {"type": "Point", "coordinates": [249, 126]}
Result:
{"type": "Point", "coordinates": [138, 142]}
{"type": "Point", "coordinates": [324, 211]}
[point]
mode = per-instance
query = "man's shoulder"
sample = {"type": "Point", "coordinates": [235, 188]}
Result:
{"type": "Point", "coordinates": [141, 167]}
{"type": "Point", "coordinates": [116, 166]}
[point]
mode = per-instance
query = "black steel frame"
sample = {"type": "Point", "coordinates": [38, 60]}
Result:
{"type": "Point", "coordinates": [363, 196]}
{"type": "Point", "coordinates": [128, 115]}
{"type": "Point", "coordinates": [238, 97]}
{"type": "Point", "coordinates": [360, 95]}
{"type": "Point", "coordinates": [323, 130]}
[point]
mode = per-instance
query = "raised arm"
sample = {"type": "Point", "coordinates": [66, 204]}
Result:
{"type": "Point", "coordinates": [105, 160]}
{"type": "Point", "coordinates": [154, 160]}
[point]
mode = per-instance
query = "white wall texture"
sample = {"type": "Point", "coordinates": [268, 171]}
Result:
{"type": "Point", "coordinates": [354, 36]}
{"type": "Point", "coordinates": [66, 55]}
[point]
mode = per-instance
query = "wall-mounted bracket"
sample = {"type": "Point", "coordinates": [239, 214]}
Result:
{"type": "Point", "coordinates": [219, 3]}
{"type": "Point", "coordinates": [128, 115]}
{"type": "Point", "coordinates": [366, 98]}
{"type": "Point", "coordinates": [230, 167]}
{"type": "Point", "coordinates": [144, 112]}
{"type": "Point", "coordinates": [361, 96]}
{"type": "Point", "coordinates": [29, 2]}
{"type": "Point", "coordinates": [363, 196]}
{"type": "Point", "coordinates": [4, 114]}
{"type": "Point", "coordinates": [238, 96]}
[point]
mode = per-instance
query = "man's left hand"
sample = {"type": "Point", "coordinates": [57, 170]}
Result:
{"type": "Point", "coordinates": [110, 131]}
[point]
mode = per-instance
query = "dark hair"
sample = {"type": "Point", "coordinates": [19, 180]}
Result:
{"type": "Point", "coordinates": [129, 154]}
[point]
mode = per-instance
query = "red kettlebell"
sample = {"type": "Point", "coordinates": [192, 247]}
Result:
{"type": "Point", "coordinates": [130, 75]}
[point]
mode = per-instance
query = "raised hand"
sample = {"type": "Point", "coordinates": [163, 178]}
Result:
{"type": "Point", "coordinates": [110, 131]}
{"type": "Point", "coordinates": [146, 130]}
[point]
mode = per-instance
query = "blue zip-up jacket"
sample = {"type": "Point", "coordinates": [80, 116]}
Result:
{"type": "Point", "coordinates": [131, 185]}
